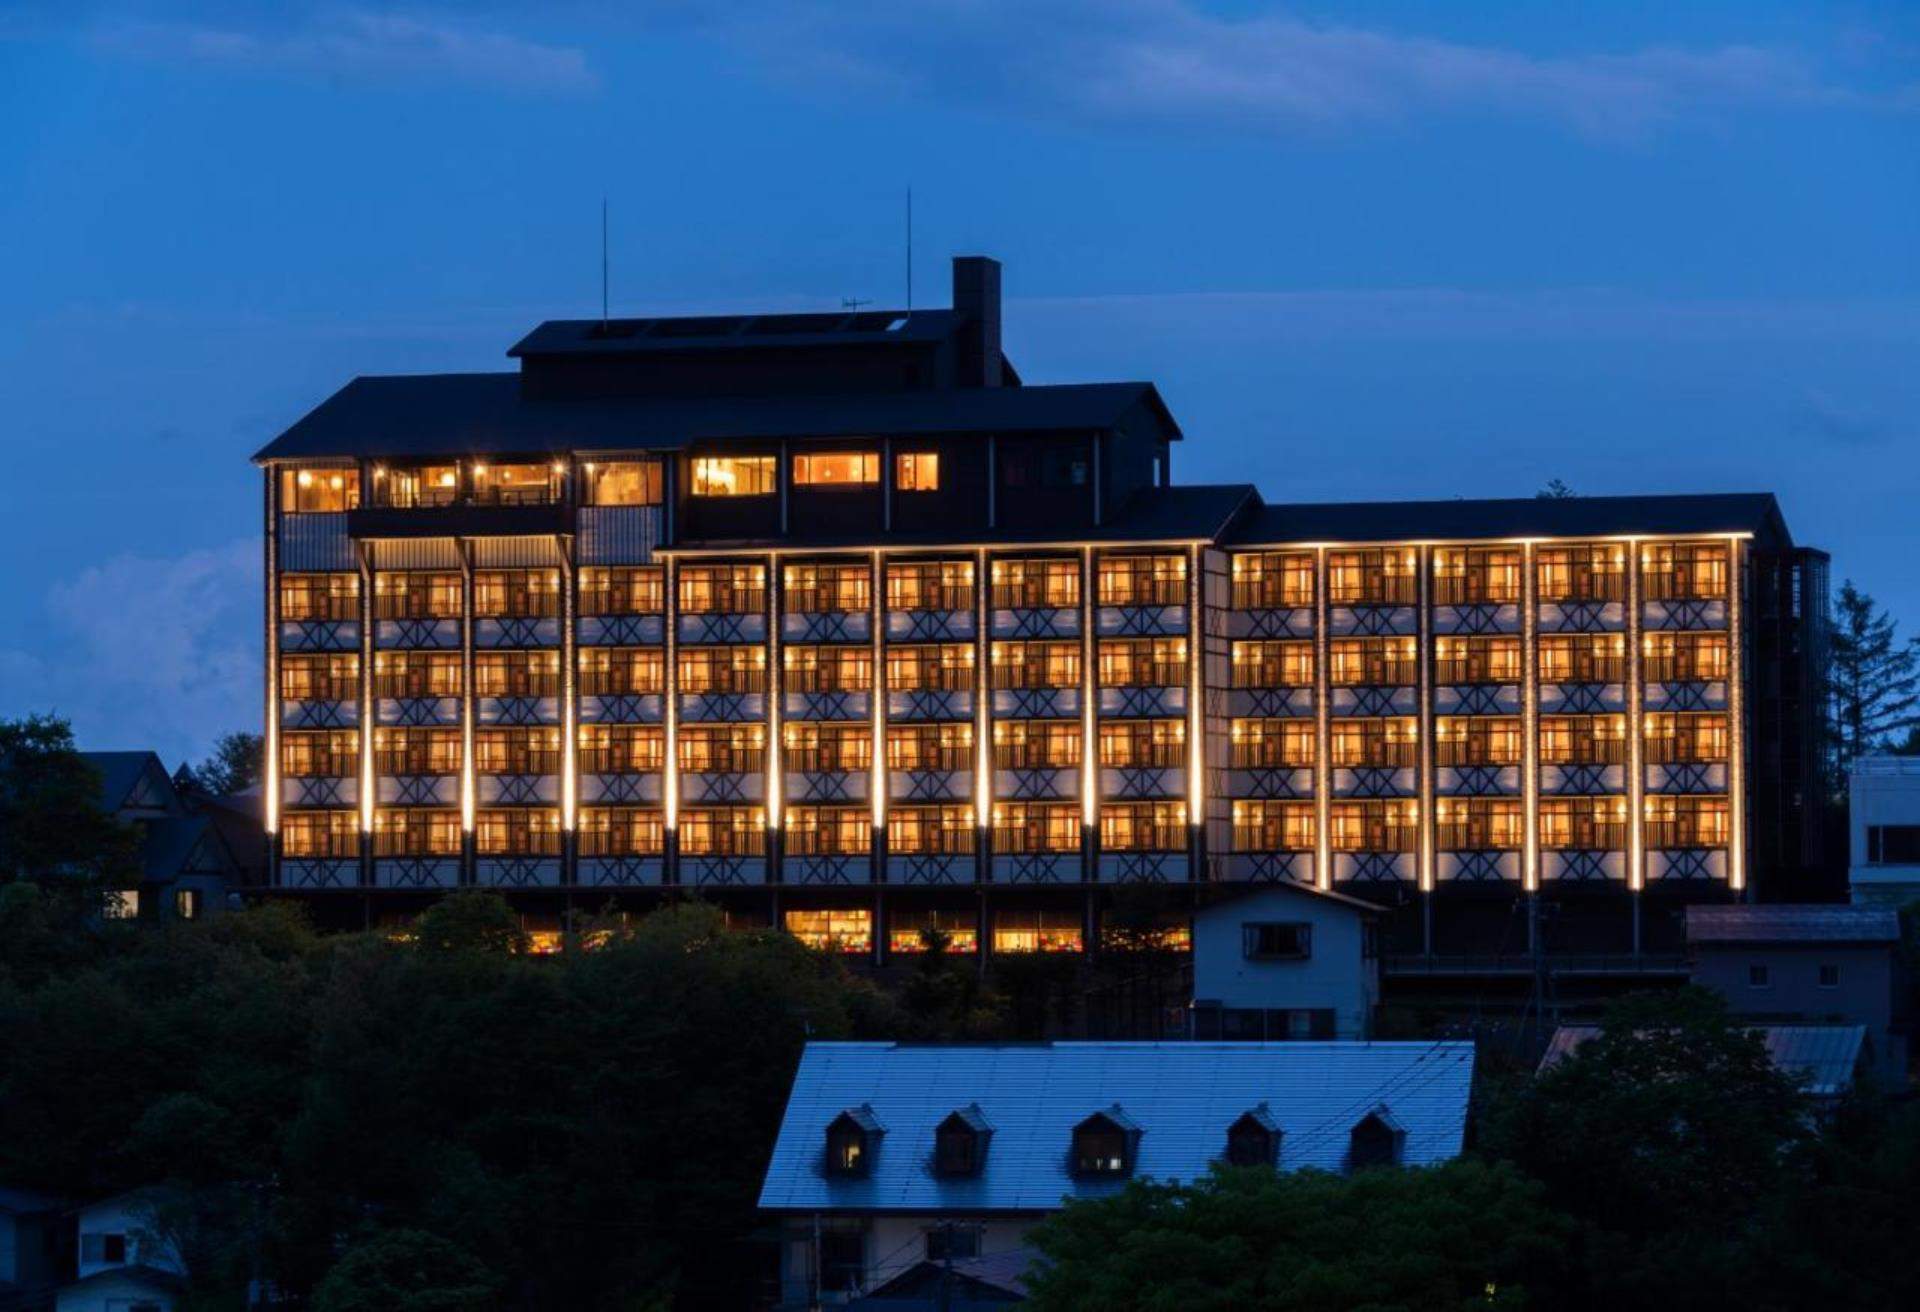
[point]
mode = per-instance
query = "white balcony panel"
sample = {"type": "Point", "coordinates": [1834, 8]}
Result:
{"type": "Point", "coordinates": [416, 710]}
{"type": "Point", "coordinates": [1272, 622]}
{"type": "Point", "coordinates": [836, 869]}
{"type": "Point", "coordinates": [1267, 867]}
{"type": "Point", "coordinates": [517, 871]}
{"type": "Point", "coordinates": [1686, 863]}
{"type": "Point", "coordinates": [319, 635]}
{"type": "Point", "coordinates": [713, 871]}
{"type": "Point", "coordinates": [723, 707]}
{"type": "Point", "coordinates": [1368, 700]}
{"type": "Point", "coordinates": [1142, 867]}
{"type": "Point", "coordinates": [1478, 866]}
{"type": "Point", "coordinates": [1270, 703]}
{"type": "Point", "coordinates": [1687, 696]}
{"type": "Point", "coordinates": [1139, 621]}
{"type": "Point", "coordinates": [622, 631]}
{"type": "Point", "coordinates": [1122, 783]}
{"type": "Point", "coordinates": [517, 789]}
{"type": "Point", "coordinates": [517, 710]}
{"type": "Point", "coordinates": [1139, 703]}
{"type": "Point", "coordinates": [622, 871]}
{"type": "Point", "coordinates": [516, 631]}
{"type": "Point", "coordinates": [1036, 784]}
{"type": "Point", "coordinates": [319, 715]}
{"type": "Point", "coordinates": [416, 871]}
{"type": "Point", "coordinates": [929, 785]}
{"type": "Point", "coordinates": [322, 790]}
{"type": "Point", "coordinates": [1374, 867]}
{"type": "Point", "coordinates": [828, 706]}
{"type": "Point", "coordinates": [1271, 781]}
{"type": "Point", "coordinates": [1579, 864]}
{"type": "Point", "coordinates": [1036, 703]}
{"type": "Point", "coordinates": [1035, 623]}
{"type": "Point", "coordinates": [623, 708]}
{"type": "Point", "coordinates": [619, 789]}
{"type": "Point", "coordinates": [929, 625]}
{"type": "Point", "coordinates": [1583, 616]}
{"type": "Point", "coordinates": [432, 635]}
{"type": "Point", "coordinates": [1480, 618]}
{"type": "Point", "coordinates": [1372, 621]}
{"type": "Point", "coordinates": [1684, 614]}
{"type": "Point", "coordinates": [1380, 781]}
{"type": "Point", "coordinates": [930, 868]}
{"type": "Point", "coordinates": [1477, 780]}
{"type": "Point", "coordinates": [702, 788]}
{"type": "Point", "coordinates": [1036, 868]}
{"type": "Point", "coordinates": [417, 790]}
{"type": "Point", "coordinates": [1582, 780]}
{"type": "Point", "coordinates": [829, 786]}
{"type": "Point", "coordinates": [750, 627]}
{"type": "Point", "coordinates": [1579, 698]}
{"type": "Point", "coordinates": [827, 626]}
{"type": "Point", "coordinates": [930, 704]}
{"type": "Point", "coordinates": [1688, 777]}
{"type": "Point", "coordinates": [1478, 699]}
{"type": "Point", "coordinates": [319, 872]}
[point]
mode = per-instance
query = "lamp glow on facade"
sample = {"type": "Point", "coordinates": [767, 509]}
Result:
{"type": "Point", "coordinates": [877, 785]}
{"type": "Point", "coordinates": [1089, 695]}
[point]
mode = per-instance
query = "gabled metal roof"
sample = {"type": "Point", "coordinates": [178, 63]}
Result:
{"type": "Point", "coordinates": [735, 331]}
{"type": "Point", "coordinates": [1758, 925]}
{"type": "Point", "coordinates": [411, 416]}
{"type": "Point", "coordinates": [1182, 1096]}
{"type": "Point", "coordinates": [1519, 517]}
{"type": "Point", "coordinates": [1826, 1054]}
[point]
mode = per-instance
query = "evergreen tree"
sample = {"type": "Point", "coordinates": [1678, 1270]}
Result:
{"type": "Point", "coordinates": [1874, 678]}
{"type": "Point", "coordinates": [235, 765]}
{"type": "Point", "coordinates": [1555, 490]}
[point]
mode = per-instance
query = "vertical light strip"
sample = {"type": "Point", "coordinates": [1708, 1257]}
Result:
{"type": "Point", "coordinates": [1736, 717]}
{"type": "Point", "coordinates": [569, 689]}
{"type": "Point", "coordinates": [982, 700]}
{"type": "Point", "coordinates": [468, 783]}
{"type": "Point", "coordinates": [367, 729]}
{"type": "Point", "coordinates": [1196, 725]}
{"type": "Point", "coordinates": [670, 713]}
{"type": "Point", "coordinates": [877, 785]}
{"type": "Point", "coordinates": [774, 692]}
{"type": "Point", "coordinates": [1322, 730]}
{"type": "Point", "coordinates": [1089, 696]}
{"type": "Point", "coordinates": [1424, 749]}
{"type": "Point", "coordinates": [270, 814]}
{"type": "Point", "coordinates": [1636, 731]}
{"type": "Point", "coordinates": [1530, 720]}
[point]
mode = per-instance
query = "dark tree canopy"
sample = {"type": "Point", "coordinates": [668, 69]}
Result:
{"type": "Point", "coordinates": [237, 763]}
{"type": "Point", "coordinates": [52, 826]}
{"type": "Point", "coordinates": [1874, 678]}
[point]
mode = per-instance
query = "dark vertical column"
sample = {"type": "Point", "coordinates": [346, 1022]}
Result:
{"type": "Point", "coordinates": [365, 784]}
{"type": "Point", "coordinates": [1530, 743]}
{"type": "Point", "coordinates": [670, 712]}
{"type": "Point", "coordinates": [1425, 859]}
{"type": "Point", "coordinates": [775, 771]}
{"type": "Point", "coordinates": [469, 779]}
{"type": "Point", "coordinates": [982, 715]}
{"type": "Point", "coordinates": [1089, 738]}
{"type": "Point", "coordinates": [569, 713]}
{"type": "Point", "coordinates": [1322, 729]}
{"type": "Point", "coordinates": [270, 803]}
{"type": "Point", "coordinates": [1636, 744]}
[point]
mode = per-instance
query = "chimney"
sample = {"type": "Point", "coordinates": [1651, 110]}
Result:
{"type": "Point", "coordinates": [976, 295]}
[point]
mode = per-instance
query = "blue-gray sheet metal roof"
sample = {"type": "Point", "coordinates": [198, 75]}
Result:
{"type": "Point", "coordinates": [732, 332]}
{"type": "Point", "coordinates": [1826, 1054]}
{"type": "Point", "coordinates": [1182, 1095]}
{"type": "Point", "coordinates": [398, 417]}
{"type": "Point", "coordinates": [1520, 517]}
{"type": "Point", "coordinates": [1792, 924]}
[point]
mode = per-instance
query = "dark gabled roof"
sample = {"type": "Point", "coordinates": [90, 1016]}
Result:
{"type": "Point", "coordinates": [972, 1117]}
{"type": "Point", "coordinates": [1545, 517]}
{"type": "Point", "coordinates": [1791, 924]}
{"type": "Point", "coordinates": [152, 1276]}
{"type": "Point", "coordinates": [1262, 1116]}
{"type": "Point", "coordinates": [428, 415]}
{"type": "Point", "coordinates": [735, 331]}
{"type": "Point", "coordinates": [994, 1279]}
{"type": "Point", "coordinates": [1116, 1116]}
{"type": "Point", "coordinates": [1225, 893]}
{"type": "Point", "coordinates": [863, 1117]}
{"type": "Point", "coordinates": [121, 772]}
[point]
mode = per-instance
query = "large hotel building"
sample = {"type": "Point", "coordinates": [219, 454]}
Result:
{"type": "Point", "coordinates": [833, 619]}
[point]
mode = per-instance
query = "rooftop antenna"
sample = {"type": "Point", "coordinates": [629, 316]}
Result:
{"type": "Point", "coordinates": [854, 302]}
{"type": "Point", "coordinates": [909, 250]}
{"type": "Point", "coordinates": [603, 262]}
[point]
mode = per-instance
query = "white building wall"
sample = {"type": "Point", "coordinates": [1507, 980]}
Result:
{"type": "Point", "coordinates": [123, 1216]}
{"type": "Point", "coordinates": [1884, 790]}
{"type": "Point", "coordinates": [1337, 975]}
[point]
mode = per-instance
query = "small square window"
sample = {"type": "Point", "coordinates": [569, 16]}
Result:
{"type": "Point", "coordinates": [1277, 940]}
{"type": "Point", "coordinates": [1759, 977]}
{"type": "Point", "coordinates": [953, 1241]}
{"type": "Point", "coordinates": [1829, 977]}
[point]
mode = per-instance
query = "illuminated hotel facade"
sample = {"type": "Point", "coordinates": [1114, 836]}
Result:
{"type": "Point", "coordinates": [833, 620]}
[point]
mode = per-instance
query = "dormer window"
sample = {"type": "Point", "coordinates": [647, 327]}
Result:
{"type": "Point", "coordinates": [1377, 1139]}
{"type": "Point", "coordinates": [960, 1143]}
{"type": "Point", "coordinates": [1254, 1139]}
{"type": "Point", "coordinates": [1104, 1143]}
{"type": "Point", "coordinates": [852, 1139]}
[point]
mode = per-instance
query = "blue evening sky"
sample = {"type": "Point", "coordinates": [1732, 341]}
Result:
{"type": "Point", "coordinates": [1367, 250]}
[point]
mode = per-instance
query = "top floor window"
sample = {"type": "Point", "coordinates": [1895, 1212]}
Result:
{"type": "Point", "coordinates": [319, 596]}
{"type": "Point", "coordinates": [1670, 570]}
{"type": "Point", "coordinates": [319, 490]}
{"type": "Point", "coordinates": [960, 1143]}
{"type": "Point", "coordinates": [1476, 574]}
{"type": "Point", "coordinates": [516, 592]}
{"type": "Point", "coordinates": [1379, 577]}
{"type": "Point", "coordinates": [1272, 579]}
{"type": "Point", "coordinates": [1103, 1144]}
{"type": "Point", "coordinates": [1143, 580]}
{"type": "Point", "coordinates": [517, 484]}
{"type": "Point", "coordinates": [1588, 572]}
{"type": "Point", "coordinates": [848, 1153]}
{"type": "Point", "coordinates": [1047, 582]}
{"type": "Point", "coordinates": [916, 471]}
{"type": "Point", "coordinates": [410, 487]}
{"type": "Point", "coordinates": [408, 595]}
{"type": "Point", "coordinates": [625, 590]}
{"type": "Point", "coordinates": [930, 585]}
{"type": "Point", "coordinates": [624, 483]}
{"type": "Point", "coordinates": [734, 476]}
{"type": "Point", "coordinates": [831, 469]}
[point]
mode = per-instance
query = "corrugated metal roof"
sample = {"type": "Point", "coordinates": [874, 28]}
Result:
{"type": "Point", "coordinates": [421, 415]}
{"type": "Point", "coordinates": [1825, 1054]}
{"type": "Point", "coordinates": [735, 331]}
{"type": "Point", "coordinates": [1182, 1095]}
{"type": "Point", "coordinates": [1546, 517]}
{"type": "Point", "coordinates": [1792, 924]}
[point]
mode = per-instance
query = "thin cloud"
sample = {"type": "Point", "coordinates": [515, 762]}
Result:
{"type": "Point", "coordinates": [1166, 62]}
{"type": "Point", "coordinates": [359, 46]}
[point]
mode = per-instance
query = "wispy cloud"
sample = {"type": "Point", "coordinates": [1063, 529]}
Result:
{"type": "Point", "coordinates": [1168, 62]}
{"type": "Point", "coordinates": [362, 46]}
{"type": "Point", "coordinates": [148, 651]}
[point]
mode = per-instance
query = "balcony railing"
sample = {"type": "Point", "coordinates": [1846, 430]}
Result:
{"type": "Point", "coordinates": [1269, 838]}
{"type": "Point", "coordinates": [722, 760]}
{"type": "Point", "coordinates": [942, 757]}
{"type": "Point", "coordinates": [1144, 674]}
{"type": "Point", "coordinates": [532, 760]}
{"type": "Point", "coordinates": [1124, 591]}
{"type": "Point", "coordinates": [1685, 833]}
{"type": "Point", "coordinates": [1267, 755]}
{"type": "Point", "coordinates": [843, 758]}
{"type": "Point", "coordinates": [938, 596]}
{"type": "Point", "coordinates": [723, 601]}
{"type": "Point", "coordinates": [623, 760]}
{"type": "Point", "coordinates": [1035, 596]}
{"type": "Point", "coordinates": [1270, 595]}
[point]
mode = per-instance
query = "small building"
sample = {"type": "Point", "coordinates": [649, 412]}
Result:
{"type": "Point", "coordinates": [187, 864]}
{"type": "Point", "coordinates": [123, 1266]}
{"type": "Point", "coordinates": [1827, 1057]}
{"type": "Point", "coordinates": [1883, 869]}
{"type": "Point", "coordinates": [32, 1228]}
{"type": "Point", "coordinates": [1285, 961]}
{"type": "Point", "coordinates": [894, 1155]}
{"type": "Point", "coordinates": [1833, 964]}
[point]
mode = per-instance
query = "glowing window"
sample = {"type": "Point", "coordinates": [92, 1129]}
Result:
{"type": "Point", "coordinates": [624, 483]}
{"type": "Point", "coordinates": [319, 490]}
{"type": "Point", "coordinates": [733, 476]}
{"type": "Point", "coordinates": [837, 469]}
{"type": "Point", "coordinates": [916, 471]}
{"type": "Point", "coordinates": [839, 929]}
